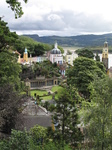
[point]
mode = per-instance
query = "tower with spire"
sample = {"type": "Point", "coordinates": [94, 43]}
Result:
{"type": "Point", "coordinates": [25, 55]}
{"type": "Point", "coordinates": [105, 55]}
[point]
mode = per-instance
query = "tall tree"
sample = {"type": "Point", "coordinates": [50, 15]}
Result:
{"type": "Point", "coordinates": [39, 49]}
{"type": "Point", "coordinates": [7, 38]}
{"type": "Point", "coordinates": [98, 117]}
{"type": "Point", "coordinates": [97, 57]}
{"type": "Point", "coordinates": [83, 72]}
{"type": "Point", "coordinates": [85, 53]}
{"type": "Point", "coordinates": [9, 69]}
{"type": "Point", "coordinates": [10, 103]}
{"type": "Point", "coordinates": [66, 118]}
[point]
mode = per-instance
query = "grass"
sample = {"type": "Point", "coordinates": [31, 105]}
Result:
{"type": "Point", "coordinates": [38, 92]}
{"type": "Point", "coordinates": [56, 88]}
{"type": "Point", "coordinates": [41, 93]}
{"type": "Point", "coordinates": [47, 97]}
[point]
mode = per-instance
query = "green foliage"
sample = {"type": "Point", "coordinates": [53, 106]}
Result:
{"type": "Point", "coordinates": [24, 140]}
{"type": "Point", "coordinates": [9, 70]}
{"type": "Point", "coordinates": [46, 105]}
{"type": "Point", "coordinates": [47, 69]}
{"type": "Point", "coordinates": [98, 118]}
{"type": "Point", "coordinates": [83, 73]}
{"type": "Point", "coordinates": [38, 134]}
{"type": "Point", "coordinates": [27, 72]}
{"type": "Point", "coordinates": [19, 140]}
{"type": "Point", "coordinates": [61, 49]}
{"type": "Point", "coordinates": [65, 118]}
{"type": "Point", "coordinates": [4, 145]}
{"type": "Point", "coordinates": [35, 48]}
{"type": "Point", "coordinates": [39, 49]}
{"type": "Point", "coordinates": [16, 7]}
{"type": "Point", "coordinates": [56, 88]}
{"type": "Point", "coordinates": [10, 103]}
{"type": "Point", "coordinates": [97, 57]}
{"type": "Point", "coordinates": [38, 92]}
{"type": "Point", "coordinates": [7, 38]}
{"type": "Point", "coordinates": [86, 53]}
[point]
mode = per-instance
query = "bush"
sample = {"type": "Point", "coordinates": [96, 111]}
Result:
{"type": "Point", "coordinates": [49, 93]}
{"type": "Point", "coordinates": [56, 92]}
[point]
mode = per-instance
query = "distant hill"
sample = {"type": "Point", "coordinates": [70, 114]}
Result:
{"type": "Point", "coordinates": [80, 40]}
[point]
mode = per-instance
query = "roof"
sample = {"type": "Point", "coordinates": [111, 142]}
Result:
{"type": "Point", "coordinates": [16, 52]}
{"type": "Point", "coordinates": [55, 50]}
{"type": "Point", "coordinates": [42, 120]}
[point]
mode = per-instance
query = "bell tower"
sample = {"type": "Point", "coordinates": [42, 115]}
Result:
{"type": "Point", "coordinates": [105, 55]}
{"type": "Point", "coordinates": [25, 55]}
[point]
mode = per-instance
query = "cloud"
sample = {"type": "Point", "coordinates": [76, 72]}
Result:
{"type": "Point", "coordinates": [60, 18]}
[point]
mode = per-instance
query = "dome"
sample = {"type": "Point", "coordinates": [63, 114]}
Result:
{"type": "Point", "coordinates": [105, 44]}
{"type": "Point", "coordinates": [55, 50]}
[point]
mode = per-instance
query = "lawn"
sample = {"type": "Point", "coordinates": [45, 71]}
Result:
{"type": "Point", "coordinates": [47, 97]}
{"type": "Point", "coordinates": [41, 93]}
{"type": "Point", "coordinates": [38, 92]}
{"type": "Point", "coordinates": [56, 88]}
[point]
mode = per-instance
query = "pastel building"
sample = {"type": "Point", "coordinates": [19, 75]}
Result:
{"type": "Point", "coordinates": [69, 58]}
{"type": "Point", "coordinates": [42, 58]}
{"type": "Point", "coordinates": [55, 55]}
{"type": "Point", "coordinates": [105, 55]}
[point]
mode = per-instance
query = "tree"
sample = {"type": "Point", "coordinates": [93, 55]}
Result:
{"type": "Point", "coordinates": [7, 38]}
{"type": "Point", "coordinates": [61, 49]}
{"type": "Point", "coordinates": [10, 103]}
{"type": "Point", "coordinates": [38, 134]}
{"type": "Point", "coordinates": [24, 140]}
{"type": "Point", "coordinates": [9, 69]}
{"type": "Point", "coordinates": [65, 118]}
{"type": "Point", "coordinates": [15, 6]}
{"type": "Point", "coordinates": [19, 140]}
{"type": "Point", "coordinates": [39, 49]}
{"type": "Point", "coordinates": [97, 57]}
{"type": "Point", "coordinates": [86, 53]}
{"type": "Point", "coordinates": [82, 74]}
{"type": "Point", "coordinates": [98, 117]}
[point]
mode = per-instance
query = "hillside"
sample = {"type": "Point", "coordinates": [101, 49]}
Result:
{"type": "Point", "coordinates": [80, 40]}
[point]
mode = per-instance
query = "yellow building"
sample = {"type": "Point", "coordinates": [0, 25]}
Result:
{"type": "Point", "coordinates": [69, 59]}
{"type": "Point", "coordinates": [105, 55]}
{"type": "Point", "coordinates": [25, 56]}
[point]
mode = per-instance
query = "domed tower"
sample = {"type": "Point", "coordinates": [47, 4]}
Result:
{"type": "Point", "coordinates": [105, 55]}
{"type": "Point", "coordinates": [55, 50]}
{"type": "Point", "coordinates": [25, 56]}
{"type": "Point", "coordinates": [55, 55]}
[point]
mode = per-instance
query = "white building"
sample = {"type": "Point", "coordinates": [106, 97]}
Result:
{"type": "Point", "coordinates": [69, 58]}
{"type": "Point", "coordinates": [55, 55]}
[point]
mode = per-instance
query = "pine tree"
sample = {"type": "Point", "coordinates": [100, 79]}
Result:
{"type": "Point", "coordinates": [66, 119]}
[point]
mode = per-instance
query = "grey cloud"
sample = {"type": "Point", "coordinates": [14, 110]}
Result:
{"type": "Point", "coordinates": [64, 21]}
{"type": "Point", "coordinates": [48, 22]}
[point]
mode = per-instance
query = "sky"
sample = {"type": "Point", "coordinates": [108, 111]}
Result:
{"type": "Point", "coordinates": [60, 17]}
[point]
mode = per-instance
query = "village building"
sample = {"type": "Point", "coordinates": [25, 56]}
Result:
{"type": "Point", "coordinates": [70, 57]}
{"type": "Point", "coordinates": [105, 55]}
{"type": "Point", "coordinates": [42, 81]}
{"type": "Point", "coordinates": [55, 55]}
